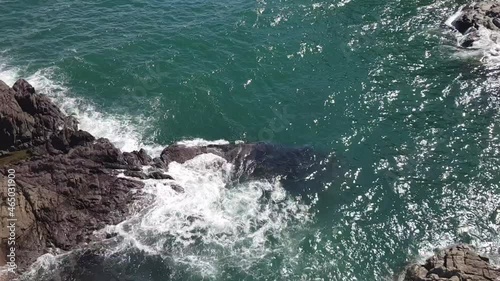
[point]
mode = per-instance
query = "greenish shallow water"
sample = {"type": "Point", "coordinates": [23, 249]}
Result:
{"type": "Point", "coordinates": [412, 119]}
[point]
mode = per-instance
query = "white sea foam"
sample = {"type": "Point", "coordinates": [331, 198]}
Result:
{"type": "Point", "coordinates": [201, 142]}
{"type": "Point", "coordinates": [8, 74]}
{"type": "Point", "coordinates": [450, 20]}
{"type": "Point", "coordinates": [212, 223]}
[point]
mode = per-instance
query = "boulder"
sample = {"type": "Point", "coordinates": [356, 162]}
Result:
{"type": "Point", "coordinates": [138, 158]}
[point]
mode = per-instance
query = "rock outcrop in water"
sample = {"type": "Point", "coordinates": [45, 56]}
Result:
{"type": "Point", "coordinates": [299, 169]}
{"type": "Point", "coordinates": [485, 14]}
{"type": "Point", "coordinates": [66, 182]}
{"type": "Point", "coordinates": [254, 160]}
{"type": "Point", "coordinates": [457, 263]}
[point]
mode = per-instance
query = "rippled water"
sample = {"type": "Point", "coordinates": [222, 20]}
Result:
{"type": "Point", "coordinates": [411, 118]}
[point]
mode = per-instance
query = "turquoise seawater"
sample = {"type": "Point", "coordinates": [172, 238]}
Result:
{"type": "Point", "coordinates": [412, 120]}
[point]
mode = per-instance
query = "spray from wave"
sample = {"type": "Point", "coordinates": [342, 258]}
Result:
{"type": "Point", "coordinates": [212, 224]}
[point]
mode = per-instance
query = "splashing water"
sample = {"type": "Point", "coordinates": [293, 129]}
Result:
{"type": "Point", "coordinates": [211, 223]}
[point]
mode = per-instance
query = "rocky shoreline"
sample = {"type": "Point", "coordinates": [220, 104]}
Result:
{"type": "Point", "coordinates": [68, 184]}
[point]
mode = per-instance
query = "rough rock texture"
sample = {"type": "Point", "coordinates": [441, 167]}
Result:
{"type": "Point", "coordinates": [68, 187]}
{"type": "Point", "coordinates": [457, 263]}
{"type": "Point", "coordinates": [485, 13]}
{"type": "Point", "coordinates": [28, 119]}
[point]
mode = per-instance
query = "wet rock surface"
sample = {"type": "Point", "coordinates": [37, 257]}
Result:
{"type": "Point", "coordinates": [457, 263]}
{"type": "Point", "coordinates": [28, 119]}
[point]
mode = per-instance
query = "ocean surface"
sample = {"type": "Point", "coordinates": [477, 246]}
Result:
{"type": "Point", "coordinates": [411, 119]}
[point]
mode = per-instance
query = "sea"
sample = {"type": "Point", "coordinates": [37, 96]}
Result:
{"type": "Point", "coordinates": [381, 86]}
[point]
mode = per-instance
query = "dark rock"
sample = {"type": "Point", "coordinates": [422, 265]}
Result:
{"type": "Point", "coordinates": [28, 119]}
{"type": "Point", "coordinates": [111, 235]}
{"type": "Point", "coordinates": [159, 176]}
{"type": "Point", "coordinates": [470, 37]}
{"type": "Point", "coordinates": [80, 138]}
{"type": "Point", "coordinates": [66, 139]}
{"type": "Point", "coordinates": [158, 163]}
{"type": "Point", "coordinates": [136, 174]}
{"type": "Point", "coordinates": [137, 158]}
{"type": "Point", "coordinates": [120, 166]}
{"type": "Point", "coordinates": [64, 198]}
{"type": "Point", "coordinates": [177, 188]}
{"type": "Point", "coordinates": [496, 22]}
{"type": "Point", "coordinates": [454, 264]}
{"type": "Point", "coordinates": [67, 183]}
{"type": "Point", "coordinates": [102, 151]}
{"type": "Point", "coordinates": [22, 86]}
{"type": "Point", "coordinates": [181, 153]}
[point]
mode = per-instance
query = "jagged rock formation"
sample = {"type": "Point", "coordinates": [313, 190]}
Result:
{"type": "Point", "coordinates": [457, 263]}
{"type": "Point", "coordinates": [28, 119]}
{"type": "Point", "coordinates": [66, 185]}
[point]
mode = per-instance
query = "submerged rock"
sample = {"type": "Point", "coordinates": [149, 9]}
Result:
{"type": "Point", "coordinates": [301, 170]}
{"type": "Point", "coordinates": [457, 263]}
{"type": "Point", "coordinates": [254, 160]}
